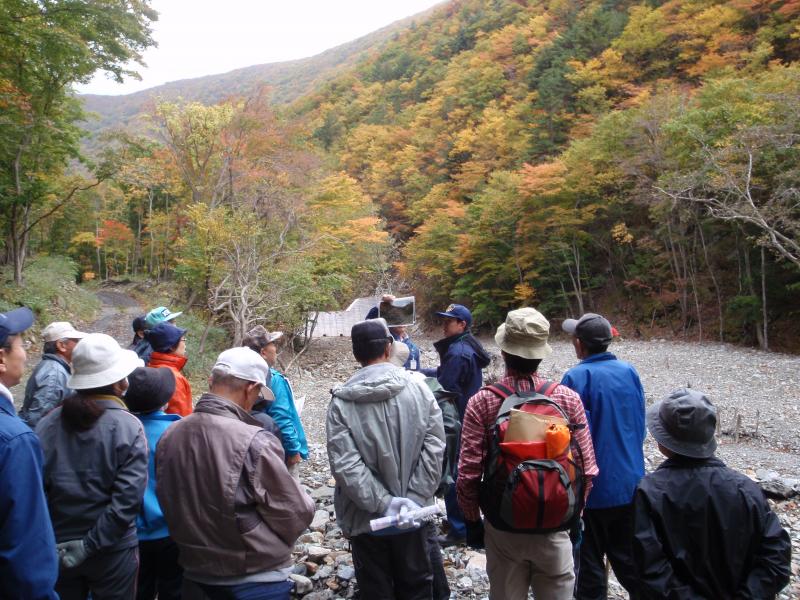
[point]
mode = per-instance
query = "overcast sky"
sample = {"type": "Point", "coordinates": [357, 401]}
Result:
{"type": "Point", "coordinates": [203, 37]}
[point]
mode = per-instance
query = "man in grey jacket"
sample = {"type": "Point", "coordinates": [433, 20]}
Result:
{"type": "Point", "coordinates": [231, 505]}
{"type": "Point", "coordinates": [385, 447]}
{"type": "Point", "coordinates": [47, 385]}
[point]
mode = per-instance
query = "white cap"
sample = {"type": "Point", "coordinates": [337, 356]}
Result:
{"type": "Point", "coordinates": [61, 330]}
{"type": "Point", "coordinates": [246, 364]}
{"type": "Point", "coordinates": [98, 361]}
{"type": "Point", "coordinates": [274, 336]}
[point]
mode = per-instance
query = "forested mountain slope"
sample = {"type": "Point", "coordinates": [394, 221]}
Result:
{"type": "Point", "coordinates": [287, 81]}
{"type": "Point", "coordinates": [637, 157]}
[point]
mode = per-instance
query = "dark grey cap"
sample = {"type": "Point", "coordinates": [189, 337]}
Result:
{"type": "Point", "coordinates": [591, 328]}
{"type": "Point", "coordinates": [372, 330]}
{"type": "Point", "coordinates": [684, 422]}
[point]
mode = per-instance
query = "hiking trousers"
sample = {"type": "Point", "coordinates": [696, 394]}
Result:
{"type": "Point", "coordinates": [606, 532]}
{"type": "Point", "coordinates": [394, 567]}
{"type": "Point", "coordinates": [517, 562]}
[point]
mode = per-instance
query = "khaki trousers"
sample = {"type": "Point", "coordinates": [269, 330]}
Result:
{"type": "Point", "coordinates": [516, 562]}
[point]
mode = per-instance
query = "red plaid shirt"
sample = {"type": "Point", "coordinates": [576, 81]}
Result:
{"type": "Point", "coordinates": [476, 435]}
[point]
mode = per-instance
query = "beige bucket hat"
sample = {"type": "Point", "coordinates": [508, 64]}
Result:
{"type": "Point", "coordinates": [524, 334]}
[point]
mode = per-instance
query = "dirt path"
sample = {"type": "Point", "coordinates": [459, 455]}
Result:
{"type": "Point", "coordinates": [117, 312]}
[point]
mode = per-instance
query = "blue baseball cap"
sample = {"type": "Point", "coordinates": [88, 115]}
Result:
{"type": "Point", "coordinates": [164, 336]}
{"type": "Point", "coordinates": [14, 322]}
{"type": "Point", "coordinates": [457, 311]}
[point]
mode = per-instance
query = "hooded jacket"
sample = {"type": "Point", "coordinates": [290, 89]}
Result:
{"type": "Point", "coordinates": [462, 359]}
{"type": "Point", "coordinates": [181, 401]}
{"type": "Point", "coordinates": [46, 389]}
{"type": "Point", "coordinates": [231, 506]}
{"type": "Point", "coordinates": [385, 439]}
{"type": "Point", "coordinates": [703, 531]}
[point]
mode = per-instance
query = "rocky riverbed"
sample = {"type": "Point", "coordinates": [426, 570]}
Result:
{"type": "Point", "coordinates": [757, 394]}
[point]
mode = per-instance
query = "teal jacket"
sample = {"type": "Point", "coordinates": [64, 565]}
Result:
{"type": "Point", "coordinates": [284, 413]}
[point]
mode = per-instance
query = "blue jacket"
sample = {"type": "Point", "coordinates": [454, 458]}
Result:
{"type": "Point", "coordinates": [46, 389]}
{"type": "Point", "coordinates": [613, 398]}
{"type": "Point", "coordinates": [28, 558]}
{"type": "Point", "coordinates": [461, 363]}
{"type": "Point", "coordinates": [284, 413]}
{"type": "Point", "coordinates": [150, 523]}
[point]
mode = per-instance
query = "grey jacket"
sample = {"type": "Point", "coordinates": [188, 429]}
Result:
{"type": "Point", "coordinates": [385, 439]}
{"type": "Point", "coordinates": [46, 389]}
{"type": "Point", "coordinates": [95, 480]}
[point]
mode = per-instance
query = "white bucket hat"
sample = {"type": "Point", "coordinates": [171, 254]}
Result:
{"type": "Point", "coordinates": [98, 361]}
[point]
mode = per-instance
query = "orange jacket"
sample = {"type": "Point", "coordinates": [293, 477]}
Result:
{"type": "Point", "coordinates": [181, 401]}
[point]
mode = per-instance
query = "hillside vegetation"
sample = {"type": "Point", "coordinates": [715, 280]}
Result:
{"type": "Point", "coordinates": [286, 81]}
{"type": "Point", "coordinates": [635, 157]}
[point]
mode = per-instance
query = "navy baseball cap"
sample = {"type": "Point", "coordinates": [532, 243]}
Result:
{"type": "Point", "coordinates": [457, 311]}
{"type": "Point", "coordinates": [14, 322]}
{"type": "Point", "coordinates": [164, 336]}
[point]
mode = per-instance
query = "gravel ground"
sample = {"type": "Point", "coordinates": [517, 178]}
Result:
{"type": "Point", "coordinates": [757, 389]}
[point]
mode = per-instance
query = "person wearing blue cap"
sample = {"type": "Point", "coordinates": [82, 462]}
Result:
{"type": "Point", "coordinates": [28, 556]}
{"type": "Point", "coordinates": [462, 359]}
{"type": "Point", "coordinates": [169, 350]}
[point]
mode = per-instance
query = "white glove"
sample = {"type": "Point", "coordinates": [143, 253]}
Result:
{"type": "Point", "coordinates": [400, 507]}
{"type": "Point", "coordinates": [72, 553]}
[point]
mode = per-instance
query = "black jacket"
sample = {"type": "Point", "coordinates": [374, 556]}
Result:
{"type": "Point", "coordinates": [704, 531]}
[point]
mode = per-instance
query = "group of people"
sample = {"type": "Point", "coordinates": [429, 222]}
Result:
{"type": "Point", "coordinates": [114, 484]}
{"type": "Point", "coordinates": [692, 529]}
{"type": "Point", "coordinates": [117, 485]}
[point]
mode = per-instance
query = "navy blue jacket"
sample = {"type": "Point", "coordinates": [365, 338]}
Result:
{"type": "Point", "coordinates": [28, 558]}
{"type": "Point", "coordinates": [613, 398]}
{"type": "Point", "coordinates": [461, 363]}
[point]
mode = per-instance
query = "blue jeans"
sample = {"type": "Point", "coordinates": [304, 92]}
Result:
{"type": "Point", "coordinates": [454, 515]}
{"type": "Point", "coordinates": [278, 590]}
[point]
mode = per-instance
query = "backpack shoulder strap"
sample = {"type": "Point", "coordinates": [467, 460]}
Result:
{"type": "Point", "coordinates": [499, 389]}
{"type": "Point", "coordinates": [545, 388]}
{"type": "Point", "coordinates": [505, 394]}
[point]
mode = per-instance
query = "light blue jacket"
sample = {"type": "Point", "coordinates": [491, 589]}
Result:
{"type": "Point", "coordinates": [150, 524]}
{"type": "Point", "coordinates": [284, 413]}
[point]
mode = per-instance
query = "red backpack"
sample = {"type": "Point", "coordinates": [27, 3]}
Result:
{"type": "Point", "coordinates": [530, 487]}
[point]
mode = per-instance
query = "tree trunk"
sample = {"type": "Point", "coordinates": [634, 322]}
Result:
{"type": "Point", "coordinates": [713, 281]}
{"type": "Point", "coordinates": [765, 337]}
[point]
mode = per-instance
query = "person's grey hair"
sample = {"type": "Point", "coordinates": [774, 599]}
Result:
{"type": "Point", "coordinates": [256, 339]}
{"type": "Point", "coordinates": [221, 377]}
{"type": "Point", "coordinates": [50, 347]}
